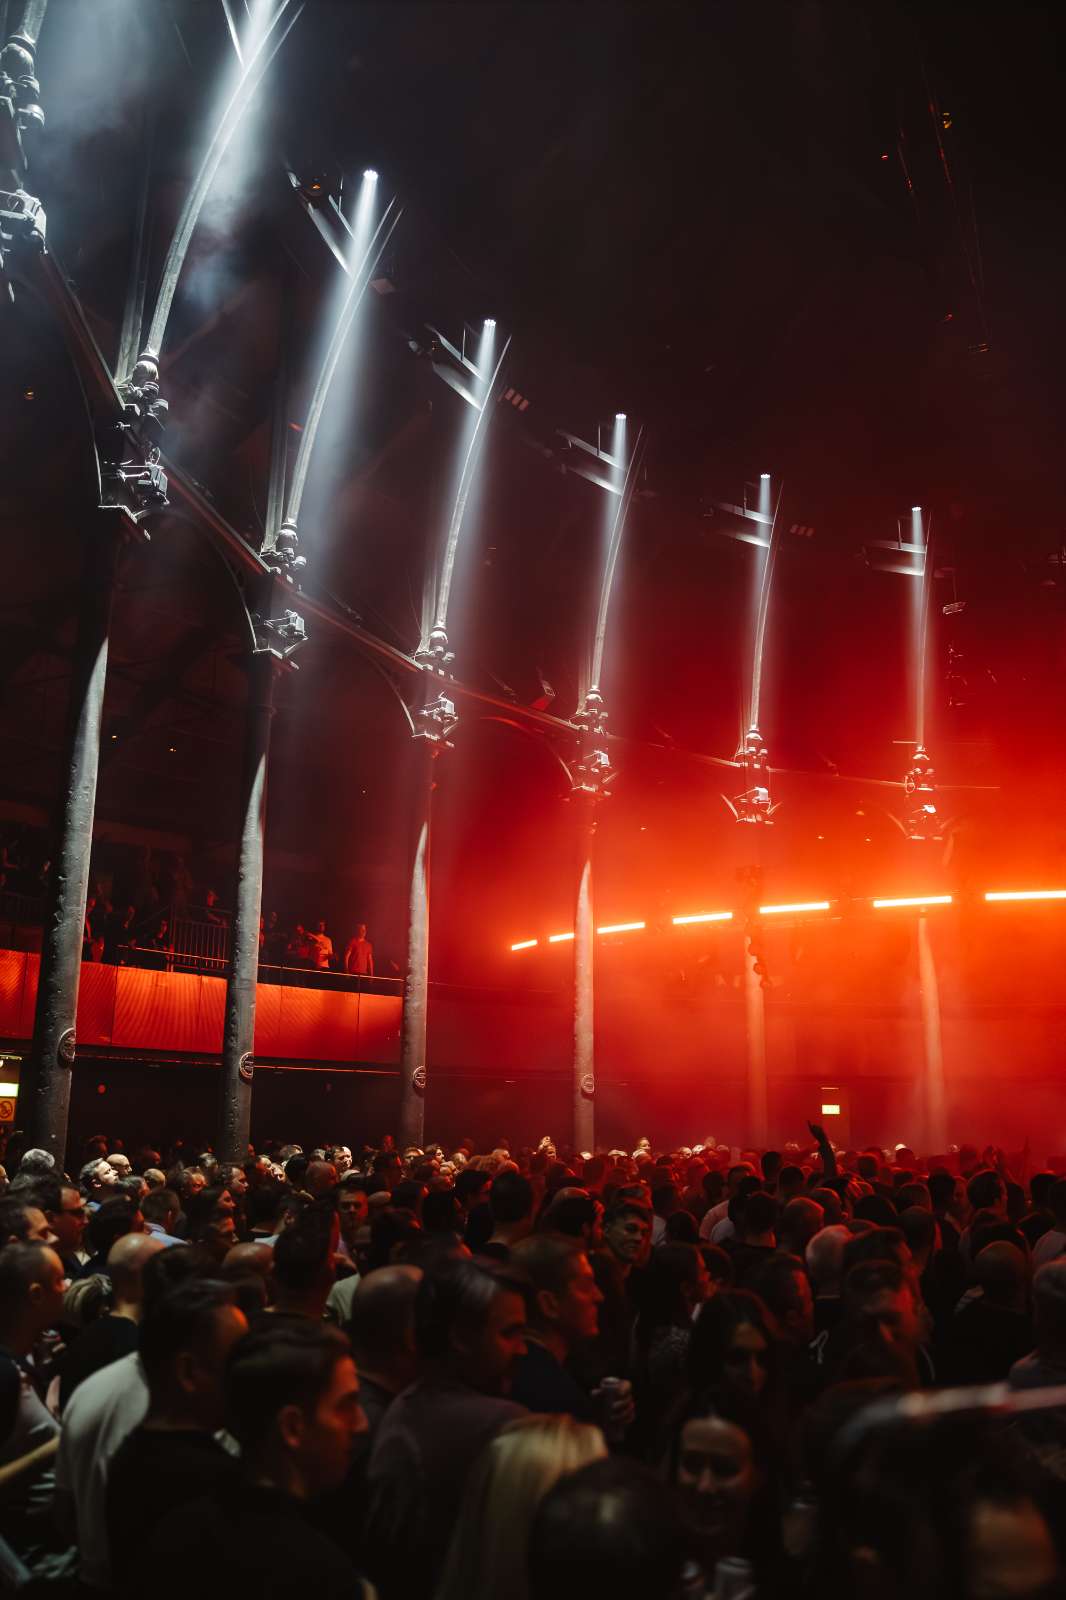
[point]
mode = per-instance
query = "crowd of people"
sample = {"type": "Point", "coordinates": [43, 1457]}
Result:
{"type": "Point", "coordinates": [533, 1373]}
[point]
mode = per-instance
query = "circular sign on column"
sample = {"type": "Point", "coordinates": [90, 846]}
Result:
{"type": "Point", "coordinates": [7, 1109]}
{"type": "Point", "coordinates": [246, 1066]}
{"type": "Point", "coordinates": [418, 1078]}
{"type": "Point", "coordinates": [65, 1048]}
{"type": "Point", "coordinates": [588, 1086]}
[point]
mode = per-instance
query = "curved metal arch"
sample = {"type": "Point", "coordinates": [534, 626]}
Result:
{"type": "Point", "coordinates": [239, 580]}
{"type": "Point", "coordinates": [538, 739]}
{"type": "Point", "coordinates": [100, 399]}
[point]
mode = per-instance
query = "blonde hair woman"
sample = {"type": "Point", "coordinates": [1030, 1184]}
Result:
{"type": "Point", "coordinates": [512, 1475]}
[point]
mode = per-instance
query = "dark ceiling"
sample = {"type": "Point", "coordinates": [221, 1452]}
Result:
{"type": "Point", "coordinates": [820, 240]}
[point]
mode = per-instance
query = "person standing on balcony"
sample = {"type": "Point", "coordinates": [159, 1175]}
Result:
{"type": "Point", "coordinates": [359, 956]}
{"type": "Point", "coordinates": [321, 947]}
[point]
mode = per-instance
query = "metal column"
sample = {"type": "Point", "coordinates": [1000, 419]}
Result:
{"type": "Point", "coordinates": [416, 981]}
{"type": "Point", "coordinates": [238, 1031]}
{"type": "Point", "coordinates": [45, 1081]}
{"type": "Point", "coordinates": [584, 1074]}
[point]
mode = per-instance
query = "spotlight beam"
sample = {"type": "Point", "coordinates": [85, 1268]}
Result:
{"type": "Point", "coordinates": [762, 612]}
{"type": "Point", "coordinates": [360, 278]}
{"type": "Point", "coordinates": [466, 478]}
{"type": "Point", "coordinates": [252, 71]}
{"type": "Point", "coordinates": [614, 545]}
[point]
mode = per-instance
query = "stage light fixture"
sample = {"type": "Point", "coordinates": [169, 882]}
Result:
{"type": "Point", "coordinates": [559, 938]}
{"type": "Point", "coordinates": [524, 944]}
{"type": "Point", "coordinates": [913, 900]}
{"type": "Point", "coordinates": [1025, 894]}
{"type": "Point", "coordinates": [370, 175]}
{"type": "Point", "coordinates": [490, 322]}
{"type": "Point", "coordinates": [800, 905]}
{"type": "Point", "coordinates": [703, 916]}
{"type": "Point", "coordinates": [622, 927]}
{"type": "Point", "coordinates": [619, 416]}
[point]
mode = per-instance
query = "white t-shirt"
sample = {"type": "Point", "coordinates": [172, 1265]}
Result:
{"type": "Point", "coordinates": [100, 1414]}
{"type": "Point", "coordinates": [711, 1218]}
{"type": "Point", "coordinates": [1049, 1247]}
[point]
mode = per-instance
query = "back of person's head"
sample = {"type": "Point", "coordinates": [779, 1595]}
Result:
{"type": "Point", "coordinates": [168, 1268]}
{"type": "Point", "coordinates": [177, 1323]}
{"type": "Point", "coordinates": [570, 1214]}
{"type": "Point", "coordinates": [828, 1196]}
{"type": "Point", "coordinates": [126, 1262]}
{"type": "Point", "coordinates": [682, 1228]}
{"type": "Point", "coordinates": [1056, 1199]}
{"type": "Point", "coordinates": [114, 1218]}
{"type": "Point", "coordinates": [869, 1279]}
{"type": "Point", "coordinates": [274, 1368]}
{"type": "Point", "coordinates": [759, 1215]}
{"type": "Point", "coordinates": [771, 1165]}
{"type": "Point", "coordinates": [876, 1209]}
{"type": "Point", "coordinates": [1049, 1305]}
{"type": "Point", "coordinates": [511, 1198]}
{"type": "Point", "coordinates": [1002, 1273]}
{"type": "Point", "coordinates": [913, 1194]}
{"type": "Point", "coordinates": [440, 1212]}
{"type": "Point", "coordinates": [160, 1206]}
{"type": "Point", "coordinates": [37, 1163]}
{"type": "Point", "coordinates": [382, 1316]}
{"type": "Point", "coordinates": [469, 1184]}
{"type": "Point", "coordinates": [993, 1229]}
{"type": "Point", "coordinates": [875, 1244]}
{"type": "Point", "coordinates": [509, 1480]}
{"type": "Point", "coordinates": [610, 1528]}
{"type": "Point", "coordinates": [719, 1265]}
{"type": "Point", "coordinates": [595, 1170]}
{"type": "Point", "coordinates": [918, 1226]}
{"type": "Point", "coordinates": [801, 1219]}
{"type": "Point", "coordinates": [296, 1170]}
{"type": "Point", "coordinates": [790, 1181]}
{"type": "Point", "coordinates": [868, 1166]}
{"type": "Point", "coordinates": [303, 1260]}
{"type": "Point", "coordinates": [395, 1235]}
{"type": "Point", "coordinates": [1040, 1187]}
{"type": "Point", "coordinates": [780, 1281]}
{"type": "Point", "coordinates": [825, 1259]}
{"type": "Point", "coordinates": [942, 1189]}
{"type": "Point", "coordinates": [985, 1190]}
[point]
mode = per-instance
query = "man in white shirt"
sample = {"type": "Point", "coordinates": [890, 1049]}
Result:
{"type": "Point", "coordinates": [102, 1412]}
{"type": "Point", "coordinates": [321, 947]}
{"type": "Point", "coordinates": [720, 1213]}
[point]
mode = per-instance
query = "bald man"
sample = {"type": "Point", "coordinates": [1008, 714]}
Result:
{"type": "Point", "coordinates": [115, 1334]}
